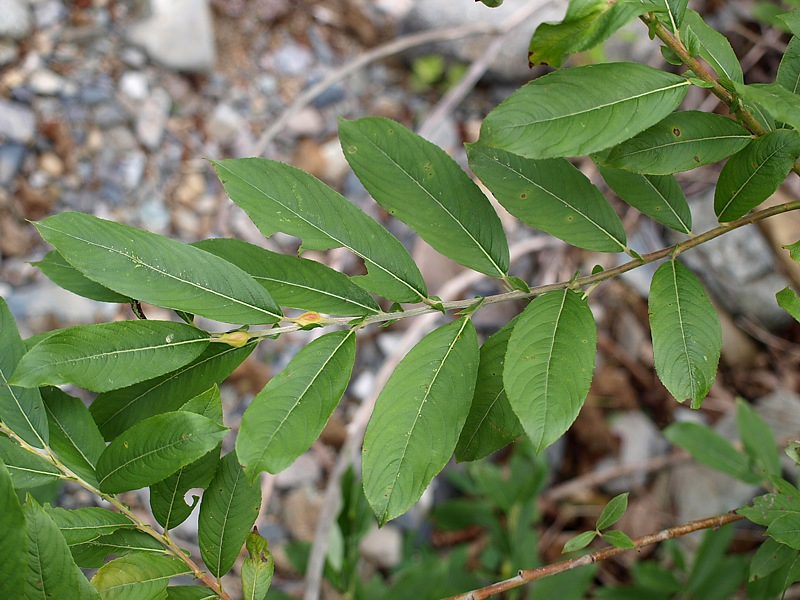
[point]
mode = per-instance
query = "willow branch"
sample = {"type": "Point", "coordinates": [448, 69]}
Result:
{"type": "Point", "coordinates": [526, 576]}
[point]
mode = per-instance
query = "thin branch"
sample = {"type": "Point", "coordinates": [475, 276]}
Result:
{"type": "Point", "coordinates": [526, 576]}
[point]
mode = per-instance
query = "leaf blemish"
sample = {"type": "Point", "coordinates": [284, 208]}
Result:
{"type": "Point", "coordinates": [677, 132]}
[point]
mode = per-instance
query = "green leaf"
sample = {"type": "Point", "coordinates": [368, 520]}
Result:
{"type": "Point", "coordinates": [293, 281]}
{"type": "Point", "coordinates": [158, 270]}
{"type": "Point", "coordinates": [491, 423]}
{"type": "Point", "coordinates": [21, 410]}
{"type": "Point", "coordinates": [108, 356]}
{"type": "Point", "coordinates": [792, 20]}
{"type": "Point", "coordinates": [154, 449]}
{"type": "Point", "coordinates": [550, 363]}
{"type": "Point", "coordinates": [792, 450]}
{"type": "Point", "coordinates": [769, 507]}
{"type": "Point", "coordinates": [789, 69]}
{"type": "Point", "coordinates": [418, 417]}
{"type": "Point", "coordinates": [712, 46]}
{"type": "Point", "coordinates": [93, 553]}
{"type": "Point", "coordinates": [660, 197]}
{"type": "Point", "coordinates": [618, 539]}
{"type": "Point", "coordinates": [581, 110]}
{"type": "Point", "coordinates": [417, 182]}
{"type": "Point", "coordinates": [782, 104]}
{"type": "Point", "coordinates": [586, 25]}
{"type": "Point", "coordinates": [228, 510]}
{"type": "Point", "coordinates": [167, 497]}
{"type": "Point", "coordinates": [137, 577]}
{"type": "Point", "coordinates": [786, 530]}
{"type": "Point", "coordinates": [551, 195]}
{"type": "Point", "coordinates": [118, 410]}
{"type": "Point", "coordinates": [676, 9]}
{"type": "Point", "coordinates": [680, 142]}
{"type": "Point", "coordinates": [190, 592]}
{"type": "Point", "coordinates": [51, 572]}
{"type": "Point", "coordinates": [81, 525]}
{"type": "Point", "coordinates": [289, 414]}
{"type": "Point", "coordinates": [257, 569]}
{"type": "Point", "coordinates": [709, 448]}
{"type": "Point", "coordinates": [687, 335]}
{"type": "Point", "coordinates": [64, 275]}
{"type": "Point", "coordinates": [613, 511]}
{"type": "Point", "coordinates": [278, 197]}
{"type": "Point", "coordinates": [757, 438]}
{"type": "Point", "coordinates": [769, 557]}
{"type": "Point", "coordinates": [753, 174]}
{"type": "Point", "coordinates": [788, 301]}
{"type": "Point", "coordinates": [579, 541]}
{"type": "Point", "coordinates": [74, 437]}
{"type": "Point", "coordinates": [492, 3]}
{"type": "Point", "coordinates": [13, 550]}
{"type": "Point", "coordinates": [27, 469]}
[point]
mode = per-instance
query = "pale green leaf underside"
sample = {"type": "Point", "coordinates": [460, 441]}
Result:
{"type": "Point", "coordinates": [158, 270]}
{"type": "Point", "coordinates": [155, 448]}
{"type": "Point", "coordinates": [680, 142]}
{"type": "Point", "coordinates": [118, 410]}
{"type": "Point", "coordinates": [551, 195]}
{"type": "Point", "coordinates": [137, 577]}
{"type": "Point", "coordinates": [491, 423]}
{"type": "Point", "coordinates": [582, 110]}
{"type": "Point", "coordinates": [549, 364]}
{"type": "Point", "coordinates": [257, 569]}
{"type": "Point", "coordinates": [714, 47]}
{"type": "Point", "coordinates": [417, 182]}
{"type": "Point", "coordinates": [279, 197]}
{"type": "Point", "coordinates": [418, 417]}
{"type": "Point", "coordinates": [13, 554]}
{"type": "Point", "coordinates": [285, 418]}
{"type": "Point", "coordinates": [687, 336]}
{"type": "Point", "coordinates": [295, 282]}
{"type": "Point", "coordinates": [21, 409]}
{"type": "Point", "coordinates": [63, 274]}
{"type": "Point", "coordinates": [108, 356]}
{"type": "Point", "coordinates": [753, 174]}
{"type": "Point", "coordinates": [660, 197]}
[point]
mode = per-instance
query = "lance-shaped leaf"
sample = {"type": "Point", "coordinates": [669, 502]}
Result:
{"type": "Point", "coordinates": [418, 417]}
{"type": "Point", "coordinates": [285, 418]}
{"type": "Point", "coordinates": [27, 469]}
{"type": "Point", "coordinates": [63, 274]}
{"type": "Point", "coordinates": [712, 46]}
{"type": "Point", "coordinates": [687, 336]}
{"type": "Point", "coordinates": [549, 364]}
{"type": "Point", "coordinates": [158, 270]}
{"type": "Point", "coordinates": [295, 282]}
{"type": "Point", "coordinates": [155, 448]}
{"type": "Point", "coordinates": [757, 438]}
{"type": "Point", "coordinates": [22, 410]}
{"type": "Point", "coordinates": [491, 423]}
{"type": "Point", "coordinates": [585, 25]}
{"type": "Point", "coordinates": [74, 436]}
{"type": "Point", "coordinates": [582, 110]}
{"type": "Point", "coordinates": [676, 10]}
{"type": "Point", "coordinates": [228, 510]}
{"type": "Point", "coordinates": [190, 592]}
{"type": "Point", "coordinates": [789, 301]}
{"type": "Point", "coordinates": [279, 197]}
{"type": "Point", "coordinates": [51, 572]}
{"type": "Point", "coordinates": [792, 20]}
{"type": "Point", "coordinates": [137, 577]}
{"type": "Point", "coordinates": [109, 356]}
{"type": "Point", "coordinates": [257, 569]}
{"type": "Point", "coordinates": [753, 174]}
{"type": "Point", "coordinates": [13, 550]}
{"type": "Point", "coordinates": [779, 102]}
{"type": "Point", "coordinates": [82, 525]}
{"type": "Point", "coordinates": [93, 553]}
{"type": "Point", "coordinates": [417, 182]}
{"type": "Point", "coordinates": [711, 449]}
{"type": "Point", "coordinates": [551, 195]}
{"type": "Point", "coordinates": [660, 197]}
{"type": "Point", "coordinates": [680, 142]}
{"type": "Point", "coordinates": [789, 69]}
{"type": "Point", "coordinates": [167, 496]}
{"type": "Point", "coordinates": [118, 410]}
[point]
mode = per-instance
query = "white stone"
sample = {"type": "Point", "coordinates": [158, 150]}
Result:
{"type": "Point", "coordinates": [306, 122]}
{"type": "Point", "coordinates": [133, 84]}
{"type": "Point", "coordinates": [17, 122]}
{"type": "Point", "coordinates": [8, 52]}
{"type": "Point", "coordinates": [382, 547]}
{"type": "Point", "coordinates": [179, 34]}
{"type": "Point", "coordinates": [152, 119]}
{"type": "Point", "coordinates": [15, 19]}
{"type": "Point", "coordinates": [225, 124]}
{"type": "Point", "coordinates": [44, 82]}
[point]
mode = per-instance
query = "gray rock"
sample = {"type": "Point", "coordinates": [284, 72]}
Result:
{"type": "Point", "coordinates": [8, 52]}
{"type": "Point", "coordinates": [49, 12]}
{"type": "Point", "coordinates": [383, 547]}
{"type": "Point", "coordinates": [12, 154]}
{"type": "Point", "coordinates": [154, 216]}
{"type": "Point", "coordinates": [16, 19]}
{"type": "Point", "coordinates": [17, 122]}
{"type": "Point", "coordinates": [293, 59]}
{"type": "Point", "coordinates": [152, 119]}
{"type": "Point", "coordinates": [178, 34]}
{"type": "Point", "coordinates": [225, 124]}
{"type": "Point", "coordinates": [512, 62]}
{"type": "Point", "coordinates": [306, 470]}
{"type": "Point", "coordinates": [44, 82]}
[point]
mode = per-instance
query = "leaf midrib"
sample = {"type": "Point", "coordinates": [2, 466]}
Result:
{"type": "Point", "coordinates": [686, 228]}
{"type": "Point", "coordinates": [671, 144]}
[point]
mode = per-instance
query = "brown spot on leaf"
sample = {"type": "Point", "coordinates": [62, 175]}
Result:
{"type": "Point", "coordinates": [696, 159]}
{"type": "Point", "coordinates": [677, 132]}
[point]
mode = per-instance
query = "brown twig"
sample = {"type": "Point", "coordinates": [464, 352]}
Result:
{"type": "Point", "coordinates": [527, 576]}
